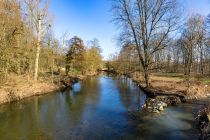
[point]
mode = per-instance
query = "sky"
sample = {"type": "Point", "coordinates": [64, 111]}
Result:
{"type": "Point", "coordinates": [91, 19]}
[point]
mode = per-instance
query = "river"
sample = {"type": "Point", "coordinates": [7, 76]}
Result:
{"type": "Point", "coordinates": [95, 109]}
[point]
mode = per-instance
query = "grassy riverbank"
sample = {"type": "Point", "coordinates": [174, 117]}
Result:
{"type": "Point", "coordinates": [175, 83]}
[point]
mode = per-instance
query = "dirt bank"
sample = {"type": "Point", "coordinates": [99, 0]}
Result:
{"type": "Point", "coordinates": [18, 88]}
{"type": "Point", "coordinates": [17, 93]}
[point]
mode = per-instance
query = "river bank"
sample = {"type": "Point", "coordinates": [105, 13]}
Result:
{"type": "Point", "coordinates": [166, 91]}
{"type": "Point", "coordinates": [96, 108]}
{"type": "Point", "coordinates": [20, 87]}
{"type": "Point", "coordinates": [174, 85]}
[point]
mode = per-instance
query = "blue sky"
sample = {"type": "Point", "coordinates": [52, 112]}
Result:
{"type": "Point", "coordinates": [90, 19]}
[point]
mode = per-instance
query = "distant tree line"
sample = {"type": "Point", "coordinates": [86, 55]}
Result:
{"type": "Point", "coordinates": [154, 39]}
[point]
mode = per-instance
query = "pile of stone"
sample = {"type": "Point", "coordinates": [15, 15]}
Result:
{"type": "Point", "coordinates": [159, 104]}
{"type": "Point", "coordinates": [155, 106]}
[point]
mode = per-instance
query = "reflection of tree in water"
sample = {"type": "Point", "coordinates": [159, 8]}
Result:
{"type": "Point", "coordinates": [22, 120]}
{"type": "Point", "coordinates": [129, 93]}
{"type": "Point", "coordinates": [91, 89]}
{"type": "Point", "coordinates": [41, 117]}
{"type": "Point", "coordinates": [78, 102]}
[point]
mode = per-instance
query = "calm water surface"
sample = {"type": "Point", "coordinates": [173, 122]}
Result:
{"type": "Point", "coordinates": [95, 109]}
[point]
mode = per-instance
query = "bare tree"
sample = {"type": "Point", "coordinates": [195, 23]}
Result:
{"type": "Point", "coordinates": [192, 40]}
{"type": "Point", "coordinates": [37, 12]}
{"type": "Point", "coordinates": [64, 40]}
{"type": "Point", "coordinates": [201, 37]}
{"type": "Point", "coordinates": [148, 24]}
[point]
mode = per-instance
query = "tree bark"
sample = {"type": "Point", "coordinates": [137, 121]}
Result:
{"type": "Point", "coordinates": [201, 61]}
{"type": "Point", "coordinates": [38, 48]}
{"type": "Point", "coordinates": [146, 77]}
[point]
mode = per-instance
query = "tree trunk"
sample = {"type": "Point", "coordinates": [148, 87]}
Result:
{"type": "Point", "coordinates": [52, 69]}
{"type": "Point", "coordinates": [185, 66]}
{"type": "Point", "coordinates": [201, 61]}
{"type": "Point", "coordinates": [38, 49]}
{"type": "Point", "coordinates": [190, 62]}
{"type": "Point", "coordinates": [146, 77]}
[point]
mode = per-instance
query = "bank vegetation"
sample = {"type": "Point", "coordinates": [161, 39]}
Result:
{"type": "Point", "coordinates": [31, 57]}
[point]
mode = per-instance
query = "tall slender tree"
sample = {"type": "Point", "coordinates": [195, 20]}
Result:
{"type": "Point", "coordinates": [37, 11]}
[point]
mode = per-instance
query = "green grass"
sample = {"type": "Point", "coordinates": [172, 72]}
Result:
{"type": "Point", "coordinates": [173, 75]}
{"type": "Point", "coordinates": [206, 80]}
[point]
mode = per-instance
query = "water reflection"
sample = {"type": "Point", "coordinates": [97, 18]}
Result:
{"type": "Point", "coordinates": [94, 109]}
{"type": "Point", "coordinates": [130, 93]}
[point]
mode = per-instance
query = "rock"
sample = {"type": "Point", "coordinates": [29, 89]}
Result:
{"type": "Point", "coordinates": [143, 106]}
{"type": "Point", "coordinates": [208, 117]}
{"type": "Point", "coordinates": [174, 100]}
{"type": "Point", "coordinates": [160, 108]}
{"type": "Point", "coordinates": [208, 95]}
{"type": "Point", "coordinates": [164, 104]}
{"type": "Point", "coordinates": [152, 100]}
{"type": "Point", "coordinates": [156, 105]}
{"type": "Point", "coordinates": [155, 111]}
{"type": "Point", "coordinates": [160, 105]}
{"type": "Point", "coordinates": [149, 107]}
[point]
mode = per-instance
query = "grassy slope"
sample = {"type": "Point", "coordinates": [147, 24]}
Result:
{"type": "Point", "coordinates": [176, 82]}
{"type": "Point", "coordinates": [19, 87]}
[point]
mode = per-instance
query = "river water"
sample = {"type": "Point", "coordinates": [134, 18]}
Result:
{"type": "Point", "coordinates": [95, 109]}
